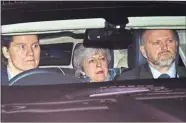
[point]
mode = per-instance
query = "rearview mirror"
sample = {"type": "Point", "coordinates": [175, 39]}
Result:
{"type": "Point", "coordinates": [108, 38]}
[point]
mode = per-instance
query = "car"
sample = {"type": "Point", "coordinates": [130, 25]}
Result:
{"type": "Point", "coordinates": [52, 93]}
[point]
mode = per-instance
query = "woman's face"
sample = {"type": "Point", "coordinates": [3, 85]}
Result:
{"type": "Point", "coordinates": [96, 67]}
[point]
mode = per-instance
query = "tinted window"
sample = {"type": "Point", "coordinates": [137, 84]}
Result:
{"type": "Point", "coordinates": [56, 54]}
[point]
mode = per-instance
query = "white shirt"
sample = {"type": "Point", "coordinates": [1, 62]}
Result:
{"type": "Point", "coordinates": [171, 72]}
{"type": "Point", "coordinates": [10, 75]}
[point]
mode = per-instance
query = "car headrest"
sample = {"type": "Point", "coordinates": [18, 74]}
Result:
{"type": "Point", "coordinates": [135, 57]}
{"type": "Point", "coordinates": [111, 64]}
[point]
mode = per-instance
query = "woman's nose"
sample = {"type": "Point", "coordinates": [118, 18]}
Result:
{"type": "Point", "coordinates": [98, 63]}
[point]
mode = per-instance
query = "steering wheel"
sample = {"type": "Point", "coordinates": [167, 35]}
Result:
{"type": "Point", "coordinates": [40, 76]}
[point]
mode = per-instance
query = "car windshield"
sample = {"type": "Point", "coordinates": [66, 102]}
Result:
{"type": "Point", "coordinates": [60, 40]}
{"type": "Point", "coordinates": [93, 61]}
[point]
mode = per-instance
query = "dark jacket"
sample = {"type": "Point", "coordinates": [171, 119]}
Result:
{"type": "Point", "coordinates": [144, 72]}
{"type": "Point", "coordinates": [4, 75]}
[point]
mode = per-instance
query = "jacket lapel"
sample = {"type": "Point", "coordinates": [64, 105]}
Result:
{"type": "Point", "coordinates": [181, 71]}
{"type": "Point", "coordinates": [145, 72]}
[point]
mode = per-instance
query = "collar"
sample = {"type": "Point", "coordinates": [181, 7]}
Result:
{"type": "Point", "coordinates": [171, 72]}
{"type": "Point", "coordinates": [10, 75]}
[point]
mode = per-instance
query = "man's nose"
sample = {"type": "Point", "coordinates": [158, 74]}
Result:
{"type": "Point", "coordinates": [30, 51]}
{"type": "Point", "coordinates": [164, 46]}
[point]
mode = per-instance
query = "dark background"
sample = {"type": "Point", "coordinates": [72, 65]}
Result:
{"type": "Point", "coordinates": [114, 12]}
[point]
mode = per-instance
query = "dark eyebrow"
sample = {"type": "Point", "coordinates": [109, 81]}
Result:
{"type": "Point", "coordinates": [154, 41]}
{"type": "Point", "coordinates": [157, 40]}
{"type": "Point", "coordinates": [35, 42]}
{"type": "Point", "coordinates": [19, 43]}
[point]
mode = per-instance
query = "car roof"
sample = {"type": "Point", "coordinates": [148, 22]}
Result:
{"type": "Point", "coordinates": [114, 12]}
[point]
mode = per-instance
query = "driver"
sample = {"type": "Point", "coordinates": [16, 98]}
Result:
{"type": "Point", "coordinates": [20, 53]}
{"type": "Point", "coordinates": [159, 47]}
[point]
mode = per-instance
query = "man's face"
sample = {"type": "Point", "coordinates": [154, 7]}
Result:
{"type": "Point", "coordinates": [24, 52]}
{"type": "Point", "coordinates": [159, 47]}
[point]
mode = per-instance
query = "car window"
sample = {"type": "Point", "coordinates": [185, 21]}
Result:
{"type": "Point", "coordinates": [56, 54]}
{"type": "Point", "coordinates": [93, 61]}
{"type": "Point", "coordinates": [119, 36]}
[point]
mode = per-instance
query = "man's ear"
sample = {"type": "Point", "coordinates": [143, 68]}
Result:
{"type": "Point", "coordinates": [177, 43]}
{"type": "Point", "coordinates": [5, 52]}
{"type": "Point", "coordinates": [142, 49]}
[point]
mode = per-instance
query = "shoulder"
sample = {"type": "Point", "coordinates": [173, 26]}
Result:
{"type": "Point", "coordinates": [112, 73]}
{"type": "Point", "coordinates": [181, 71]}
{"type": "Point", "coordinates": [129, 74]}
{"type": "Point", "coordinates": [141, 71]}
{"type": "Point", "coordinates": [4, 75]}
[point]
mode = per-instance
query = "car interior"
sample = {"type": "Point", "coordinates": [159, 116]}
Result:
{"type": "Point", "coordinates": [57, 48]}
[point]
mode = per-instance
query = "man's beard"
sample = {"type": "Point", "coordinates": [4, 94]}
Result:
{"type": "Point", "coordinates": [162, 61]}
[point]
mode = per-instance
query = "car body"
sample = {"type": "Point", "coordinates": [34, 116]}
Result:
{"type": "Point", "coordinates": [58, 99]}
